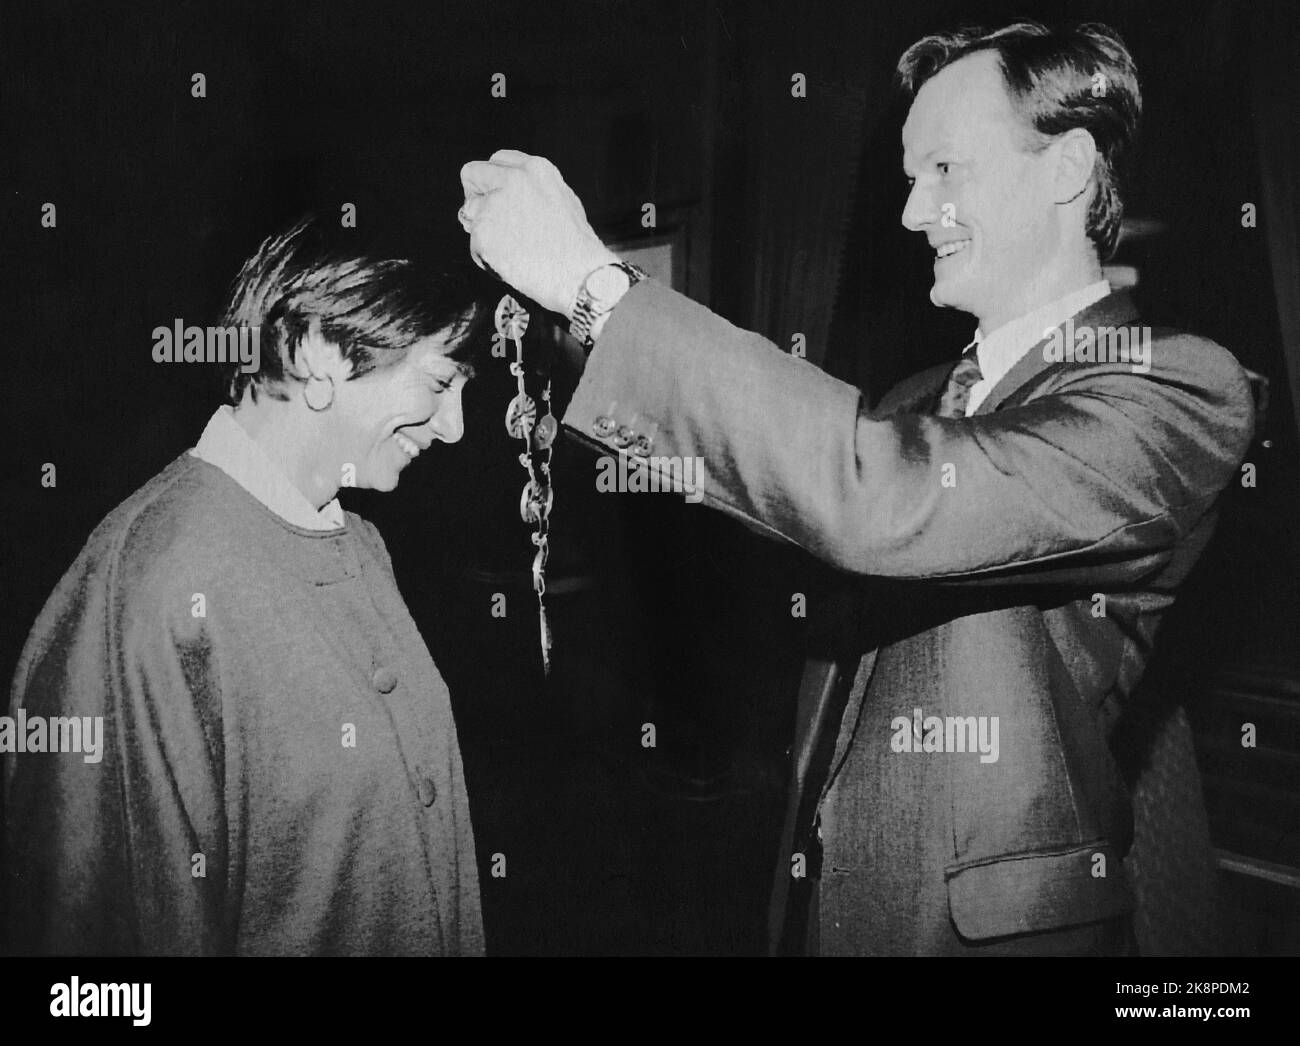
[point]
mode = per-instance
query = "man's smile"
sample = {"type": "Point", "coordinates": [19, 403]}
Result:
{"type": "Point", "coordinates": [947, 250]}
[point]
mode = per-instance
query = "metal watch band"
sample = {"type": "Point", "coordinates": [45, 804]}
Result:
{"type": "Point", "coordinates": [586, 311]}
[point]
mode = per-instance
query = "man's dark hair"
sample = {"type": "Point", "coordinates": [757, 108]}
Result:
{"type": "Point", "coordinates": [373, 308]}
{"type": "Point", "coordinates": [1056, 79]}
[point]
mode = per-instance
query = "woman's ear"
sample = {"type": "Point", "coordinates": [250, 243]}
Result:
{"type": "Point", "coordinates": [318, 357]}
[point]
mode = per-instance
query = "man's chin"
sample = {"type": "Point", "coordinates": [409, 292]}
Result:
{"type": "Point", "coordinates": [947, 295]}
{"type": "Point", "coordinates": [943, 297]}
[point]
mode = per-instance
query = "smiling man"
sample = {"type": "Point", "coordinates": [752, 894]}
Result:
{"type": "Point", "coordinates": [281, 772]}
{"type": "Point", "coordinates": [1007, 209]}
{"type": "Point", "coordinates": [1024, 518]}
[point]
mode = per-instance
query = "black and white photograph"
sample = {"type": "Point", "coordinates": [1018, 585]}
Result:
{"type": "Point", "coordinates": [651, 479]}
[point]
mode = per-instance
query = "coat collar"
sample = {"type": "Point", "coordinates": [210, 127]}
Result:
{"type": "Point", "coordinates": [1115, 310]}
{"type": "Point", "coordinates": [226, 445]}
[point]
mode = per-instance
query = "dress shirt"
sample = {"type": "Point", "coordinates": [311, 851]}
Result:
{"type": "Point", "coordinates": [1003, 348]}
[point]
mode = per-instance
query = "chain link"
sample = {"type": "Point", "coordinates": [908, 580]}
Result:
{"type": "Point", "coordinates": [522, 422]}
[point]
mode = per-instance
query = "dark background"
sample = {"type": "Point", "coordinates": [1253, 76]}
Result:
{"type": "Point", "coordinates": [789, 215]}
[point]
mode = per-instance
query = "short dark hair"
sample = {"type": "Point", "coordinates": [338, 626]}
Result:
{"type": "Point", "coordinates": [374, 308]}
{"type": "Point", "coordinates": [1051, 77]}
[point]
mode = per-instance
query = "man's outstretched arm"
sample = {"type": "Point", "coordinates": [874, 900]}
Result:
{"type": "Point", "coordinates": [1095, 482]}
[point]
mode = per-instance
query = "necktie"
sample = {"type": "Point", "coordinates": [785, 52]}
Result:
{"type": "Point", "coordinates": [955, 394]}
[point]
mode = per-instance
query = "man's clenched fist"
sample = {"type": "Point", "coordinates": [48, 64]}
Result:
{"type": "Point", "coordinates": [526, 225]}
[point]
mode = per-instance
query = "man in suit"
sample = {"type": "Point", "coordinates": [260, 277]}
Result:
{"type": "Point", "coordinates": [1030, 509]}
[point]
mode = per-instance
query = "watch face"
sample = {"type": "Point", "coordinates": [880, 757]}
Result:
{"type": "Point", "coordinates": [607, 282]}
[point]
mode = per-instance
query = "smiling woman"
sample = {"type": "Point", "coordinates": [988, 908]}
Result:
{"type": "Point", "coordinates": [371, 348]}
{"type": "Point", "coordinates": [281, 772]}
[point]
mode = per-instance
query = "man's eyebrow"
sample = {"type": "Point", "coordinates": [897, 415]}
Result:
{"type": "Point", "coordinates": [941, 148]}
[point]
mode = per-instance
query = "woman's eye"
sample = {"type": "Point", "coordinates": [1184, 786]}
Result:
{"type": "Point", "coordinates": [943, 167]}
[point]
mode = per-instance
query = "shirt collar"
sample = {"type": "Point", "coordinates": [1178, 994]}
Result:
{"type": "Point", "coordinates": [1003, 348]}
{"type": "Point", "coordinates": [226, 445]}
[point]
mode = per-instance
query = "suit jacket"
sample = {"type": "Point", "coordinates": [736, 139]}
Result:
{"type": "Point", "coordinates": [1026, 555]}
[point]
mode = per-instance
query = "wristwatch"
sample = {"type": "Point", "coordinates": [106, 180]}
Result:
{"type": "Point", "coordinates": [599, 293]}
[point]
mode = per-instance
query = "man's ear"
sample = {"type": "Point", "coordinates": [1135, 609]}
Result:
{"type": "Point", "coordinates": [320, 358]}
{"type": "Point", "coordinates": [1076, 155]}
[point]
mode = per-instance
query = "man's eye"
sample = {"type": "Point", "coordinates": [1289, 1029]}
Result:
{"type": "Point", "coordinates": [943, 167]}
{"type": "Point", "coordinates": [443, 386]}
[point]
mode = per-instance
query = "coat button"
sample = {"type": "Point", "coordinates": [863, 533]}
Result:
{"type": "Point", "coordinates": [427, 790]}
{"type": "Point", "coordinates": [385, 680]}
{"type": "Point", "coordinates": [624, 437]}
{"type": "Point", "coordinates": [603, 426]}
{"type": "Point", "coordinates": [642, 447]}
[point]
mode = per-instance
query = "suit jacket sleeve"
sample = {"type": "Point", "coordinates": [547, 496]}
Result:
{"type": "Point", "coordinates": [1093, 483]}
{"type": "Point", "coordinates": [103, 853]}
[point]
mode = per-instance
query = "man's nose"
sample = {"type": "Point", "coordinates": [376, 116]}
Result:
{"type": "Point", "coordinates": [919, 211]}
{"type": "Point", "coordinates": [448, 422]}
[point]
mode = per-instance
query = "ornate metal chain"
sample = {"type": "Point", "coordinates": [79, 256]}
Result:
{"type": "Point", "coordinates": [538, 434]}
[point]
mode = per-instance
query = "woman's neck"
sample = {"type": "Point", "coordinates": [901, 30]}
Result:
{"type": "Point", "coordinates": [293, 444]}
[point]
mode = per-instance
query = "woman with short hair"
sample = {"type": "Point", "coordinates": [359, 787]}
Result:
{"type": "Point", "coordinates": [280, 771]}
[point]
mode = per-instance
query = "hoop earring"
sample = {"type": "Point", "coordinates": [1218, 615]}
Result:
{"type": "Point", "coordinates": [1078, 194]}
{"type": "Point", "coordinates": [307, 393]}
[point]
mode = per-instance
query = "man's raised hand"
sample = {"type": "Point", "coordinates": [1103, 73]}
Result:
{"type": "Point", "coordinates": [527, 226]}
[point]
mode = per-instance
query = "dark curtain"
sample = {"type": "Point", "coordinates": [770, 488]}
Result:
{"type": "Point", "coordinates": [791, 178]}
{"type": "Point", "coordinates": [807, 151]}
{"type": "Point", "coordinates": [1275, 86]}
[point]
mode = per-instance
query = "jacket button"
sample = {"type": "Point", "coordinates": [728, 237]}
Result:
{"type": "Point", "coordinates": [427, 790]}
{"type": "Point", "coordinates": [642, 447]}
{"type": "Point", "coordinates": [385, 680]}
{"type": "Point", "coordinates": [624, 437]}
{"type": "Point", "coordinates": [603, 426]}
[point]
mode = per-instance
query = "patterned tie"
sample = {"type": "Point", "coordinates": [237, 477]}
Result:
{"type": "Point", "coordinates": [957, 391]}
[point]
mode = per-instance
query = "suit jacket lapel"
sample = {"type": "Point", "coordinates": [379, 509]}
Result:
{"type": "Point", "coordinates": [918, 394]}
{"type": "Point", "coordinates": [1114, 310]}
